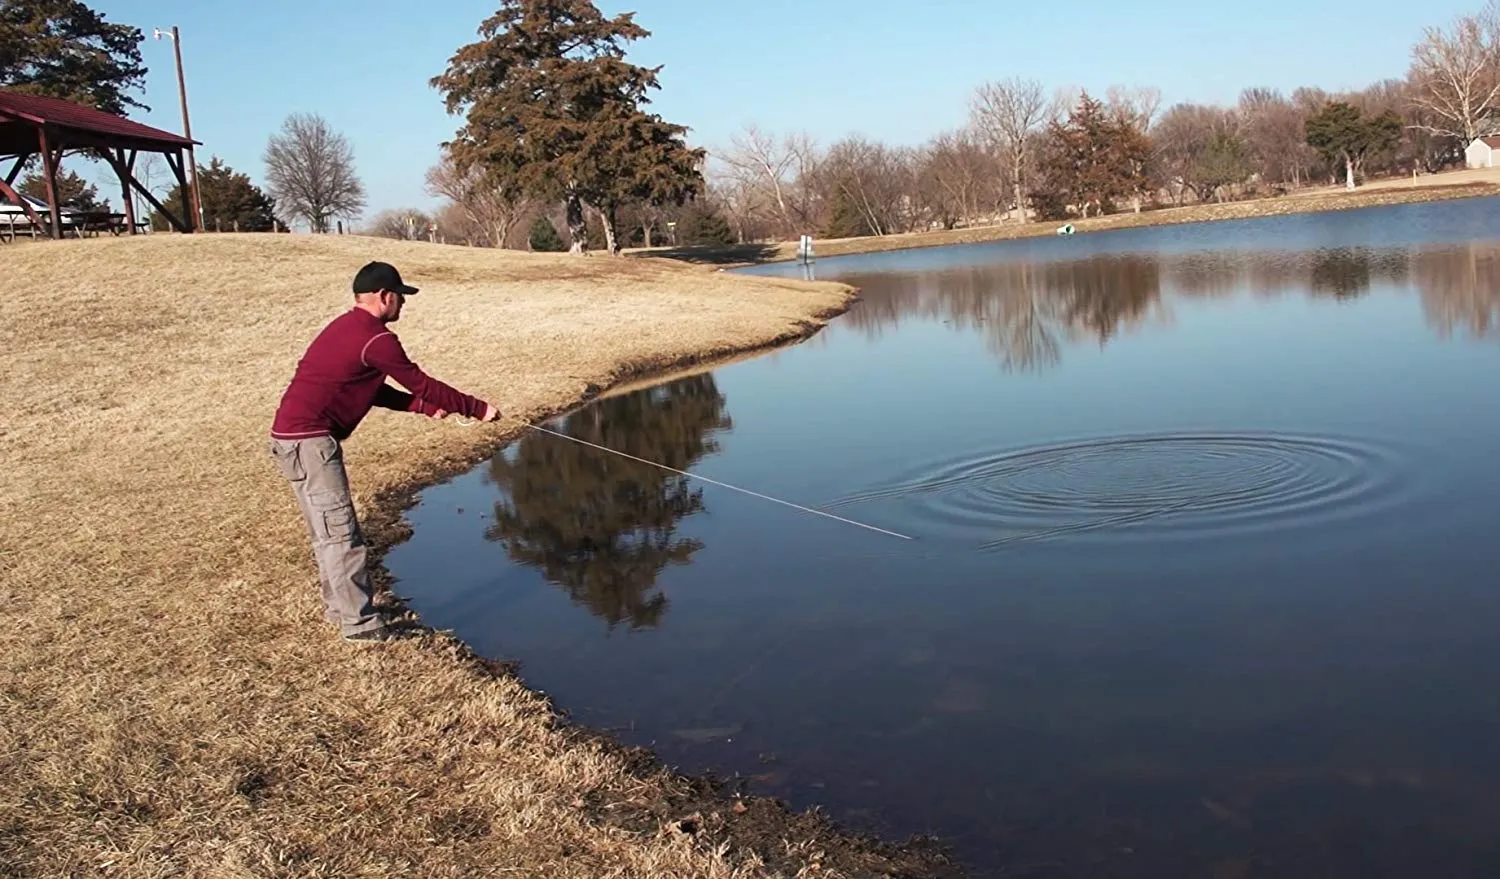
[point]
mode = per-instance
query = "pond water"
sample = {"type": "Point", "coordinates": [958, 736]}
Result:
{"type": "Point", "coordinates": [1201, 577]}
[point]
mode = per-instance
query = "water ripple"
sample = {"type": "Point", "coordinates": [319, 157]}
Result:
{"type": "Point", "coordinates": [1149, 486]}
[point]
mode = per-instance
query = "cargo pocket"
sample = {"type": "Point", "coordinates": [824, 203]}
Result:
{"type": "Point", "coordinates": [329, 450]}
{"type": "Point", "coordinates": [288, 462]}
{"type": "Point", "coordinates": [334, 513]}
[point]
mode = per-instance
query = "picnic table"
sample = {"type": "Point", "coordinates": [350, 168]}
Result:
{"type": "Point", "coordinates": [80, 223]}
{"type": "Point", "coordinates": [83, 222]}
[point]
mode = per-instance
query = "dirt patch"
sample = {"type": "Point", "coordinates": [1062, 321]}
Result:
{"type": "Point", "coordinates": [171, 702]}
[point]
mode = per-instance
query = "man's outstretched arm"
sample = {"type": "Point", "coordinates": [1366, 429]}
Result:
{"type": "Point", "coordinates": [386, 354]}
{"type": "Point", "coordinates": [389, 397]}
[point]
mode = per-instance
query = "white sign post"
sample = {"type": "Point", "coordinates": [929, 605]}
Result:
{"type": "Point", "coordinates": [805, 249]}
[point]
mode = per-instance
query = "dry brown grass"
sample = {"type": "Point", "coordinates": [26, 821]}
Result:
{"type": "Point", "coordinates": [1435, 187]}
{"type": "Point", "coordinates": [171, 703]}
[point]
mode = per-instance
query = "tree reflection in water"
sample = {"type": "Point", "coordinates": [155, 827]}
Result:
{"type": "Point", "coordinates": [603, 527]}
{"type": "Point", "coordinates": [1029, 312]}
{"type": "Point", "coordinates": [1460, 287]}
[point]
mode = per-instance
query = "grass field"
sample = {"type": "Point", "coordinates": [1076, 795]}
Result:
{"type": "Point", "coordinates": [171, 702]}
{"type": "Point", "coordinates": [1433, 187]}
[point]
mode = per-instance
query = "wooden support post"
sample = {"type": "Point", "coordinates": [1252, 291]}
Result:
{"type": "Point", "coordinates": [123, 170]}
{"type": "Point", "coordinates": [182, 187]}
{"type": "Point", "coordinates": [25, 206]}
{"type": "Point", "coordinates": [49, 172]}
{"type": "Point", "coordinates": [15, 171]}
{"type": "Point", "coordinates": [165, 212]}
{"type": "Point", "coordinates": [130, 202]}
{"type": "Point", "coordinates": [124, 165]}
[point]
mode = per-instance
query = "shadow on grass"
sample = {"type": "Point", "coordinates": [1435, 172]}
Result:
{"type": "Point", "coordinates": [715, 254]}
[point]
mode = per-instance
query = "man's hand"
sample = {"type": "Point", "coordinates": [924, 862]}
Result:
{"type": "Point", "coordinates": [490, 413]}
{"type": "Point", "coordinates": [440, 413]}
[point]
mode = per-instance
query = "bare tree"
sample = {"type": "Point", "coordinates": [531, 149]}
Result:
{"type": "Point", "coordinates": [310, 172]}
{"type": "Point", "coordinates": [454, 224]}
{"type": "Point", "coordinates": [1457, 75]}
{"type": "Point", "coordinates": [1136, 105]}
{"type": "Point", "coordinates": [1185, 141]}
{"type": "Point", "coordinates": [955, 173]}
{"type": "Point", "coordinates": [152, 173]}
{"type": "Point", "coordinates": [785, 169]}
{"type": "Point", "coordinates": [1009, 112]}
{"type": "Point", "coordinates": [492, 202]}
{"type": "Point", "coordinates": [1272, 128]}
{"type": "Point", "coordinates": [751, 212]}
{"type": "Point", "coordinates": [872, 180]}
{"type": "Point", "coordinates": [406, 224]}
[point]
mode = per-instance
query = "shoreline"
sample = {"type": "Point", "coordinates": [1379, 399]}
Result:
{"type": "Point", "coordinates": [173, 705]}
{"type": "Point", "coordinates": [841, 849]}
{"type": "Point", "coordinates": [1316, 202]}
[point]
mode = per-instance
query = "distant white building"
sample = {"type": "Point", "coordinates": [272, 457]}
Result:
{"type": "Point", "coordinates": [1484, 152]}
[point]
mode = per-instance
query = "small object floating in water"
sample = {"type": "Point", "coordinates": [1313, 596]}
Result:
{"type": "Point", "coordinates": [1066, 229]}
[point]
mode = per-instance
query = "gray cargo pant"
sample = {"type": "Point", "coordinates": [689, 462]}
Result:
{"type": "Point", "coordinates": [315, 469]}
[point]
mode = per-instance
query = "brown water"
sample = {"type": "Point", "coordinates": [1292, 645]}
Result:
{"type": "Point", "coordinates": [1203, 572]}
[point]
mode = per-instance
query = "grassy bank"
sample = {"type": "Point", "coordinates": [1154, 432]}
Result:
{"type": "Point", "coordinates": [1437, 187]}
{"type": "Point", "coordinates": [171, 702]}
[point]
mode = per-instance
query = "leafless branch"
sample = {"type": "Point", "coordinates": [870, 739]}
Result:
{"type": "Point", "coordinates": [1008, 112]}
{"type": "Point", "coordinates": [310, 172]}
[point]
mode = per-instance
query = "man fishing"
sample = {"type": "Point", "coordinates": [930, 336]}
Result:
{"type": "Point", "coordinates": [338, 380]}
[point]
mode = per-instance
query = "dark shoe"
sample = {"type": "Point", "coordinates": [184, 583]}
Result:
{"type": "Point", "coordinates": [371, 636]}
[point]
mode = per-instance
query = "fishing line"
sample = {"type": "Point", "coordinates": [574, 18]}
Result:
{"type": "Point", "coordinates": [468, 423]}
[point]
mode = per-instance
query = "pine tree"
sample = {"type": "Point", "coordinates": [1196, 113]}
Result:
{"type": "Point", "coordinates": [549, 101]}
{"type": "Point", "coordinates": [1091, 160]}
{"type": "Point", "coordinates": [1342, 134]}
{"type": "Point", "coordinates": [846, 220]}
{"type": "Point", "coordinates": [544, 237]}
{"type": "Point", "coordinates": [701, 224]}
{"type": "Point", "coordinates": [228, 198]}
{"type": "Point", "coordinates": [72, 191]}
{"type": "Point", "coordinates": [64, 49]}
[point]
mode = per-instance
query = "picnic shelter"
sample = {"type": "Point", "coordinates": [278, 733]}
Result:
{"type": "Point", "coordinates": [31, 125]}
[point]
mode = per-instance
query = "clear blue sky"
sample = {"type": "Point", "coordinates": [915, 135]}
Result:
{"type": "Point", "coordinates": [830, 67]}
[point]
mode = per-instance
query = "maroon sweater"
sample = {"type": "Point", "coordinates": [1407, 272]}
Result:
{"type": "Point", "coordinates": [343, 374]}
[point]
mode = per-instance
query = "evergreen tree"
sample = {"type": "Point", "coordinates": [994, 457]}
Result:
{"type": "Point", "coordinates": [228, 197]}
{"type": "Point", "coordinates": [1341, 133]}
{"type": "Point", "coordinates": [72, 191]}
{"type": "Point", "coordinates": [700, 224]}
{"type": "Point", "coordinates": [64, 49]}
{"type": "Point", "coordinates": [1224, 163]}
{"type": "Point", "coordinates": [544, 237]}
{"type": "Point", "coordinates": [846, 220]}
{"type": "Point", "coordinates": [1091, 160]}
{"type": "Point", "coordinates": [549, 100]}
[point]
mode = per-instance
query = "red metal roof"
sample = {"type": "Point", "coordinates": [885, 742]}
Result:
{"type": "Point", "coordinates": [67, 114]}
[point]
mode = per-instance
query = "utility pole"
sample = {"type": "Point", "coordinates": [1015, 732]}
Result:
{"type": "Point", "coordinates": [187, 129]}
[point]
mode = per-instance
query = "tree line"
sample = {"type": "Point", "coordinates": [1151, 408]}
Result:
{"type": "Point", "coordinates": [557, 146]}
{"type": "Point", "coordinates": [545, 111]}
{"type": "Point", "coordinates": [1027, 154]}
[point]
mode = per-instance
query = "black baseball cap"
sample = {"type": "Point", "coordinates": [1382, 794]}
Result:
{"type": "Point", "coordinates": [376, 276]}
